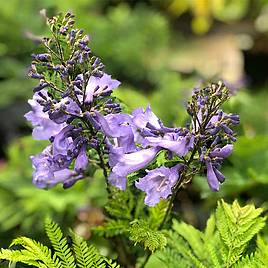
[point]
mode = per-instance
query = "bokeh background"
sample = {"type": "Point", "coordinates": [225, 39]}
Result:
{"type": "Point", "coordinates": [159, 50]}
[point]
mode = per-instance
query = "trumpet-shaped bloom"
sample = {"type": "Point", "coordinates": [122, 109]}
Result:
{"type": "Point", "coordinates": [118, 126]}
{"type": "Point", "coordinates": [158, 183]}
{"type": "Point", "coordinates": [128, 163]}
{"type": "Point", "coordinates": [100, 85]}
{"type": "Point", "coordinates": [174, 142]}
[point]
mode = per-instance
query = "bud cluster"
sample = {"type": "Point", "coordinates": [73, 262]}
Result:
{"type": "Point", "coordinates": [212, 129]}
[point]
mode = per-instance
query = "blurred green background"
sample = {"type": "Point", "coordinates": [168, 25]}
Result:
{"type": "Point", "coordinates": [159, 50]}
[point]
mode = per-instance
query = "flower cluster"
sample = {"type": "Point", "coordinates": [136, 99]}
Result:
{"type": "Point", "coordinates": [72, 86]}
{"type": "Point", "coordinates": [74, 109]}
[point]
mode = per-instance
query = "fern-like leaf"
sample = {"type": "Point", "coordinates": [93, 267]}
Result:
{"type": "Point", "coordinates": [237, 226]}
{"type": "Point", "coordinates": [111, 228]}
{"type": "Point", "coordinates": [140, 232]}
{"type": "Point", "coordinates": [157, 214]}
{"type": "Point", "coordinates": [36, 254]}
{"type": "Point", "coordinates": [86, 256]}
{"type": "Point", "coordinates": [60, 244]}
{"type": "Point", "coordinates": [228, 240]}
{"type": "Point", "coordinates": [42, 253]}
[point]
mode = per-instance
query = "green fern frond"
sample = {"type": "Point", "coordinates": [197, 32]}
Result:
{"type": "Point", "coordinates": [121, 204]}
{"type": "Point", "coordinates": [23, 256]}
{"type": "Point", "coordinates": [192, 236]}
{"type": "Point", "coordinates": [210, 228]}
{"type": "Point", "coordinates": [237, 226]}
{"type": "Point", "coordinates": [228, 239]}
{"type": "Point", "coordinates": [157, 214]}
{"type": "Point", "coordinates": [182, 247]}
{"type": "Point", "coordinates": [140, 232]}
{"type": "Point", "coordinates": [86, 256]}
{"type": "Point", "coordinates": [111, 263]}
{"type": "Point", "coordinates": [249, 261]}
{"type": "Point", "coordinates": [36, 254]}
{"type": "Point", "coordinates": [171, 259]}
{"type": "Point", "coordinates": [111, 228]}
{"type": "Point", "coordinates": [59, 243]}
{"type": "Point", "coordinates": [41, 253]}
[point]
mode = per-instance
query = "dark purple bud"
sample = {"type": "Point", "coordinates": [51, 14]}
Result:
{"type": "Point", "coordinates": [36, 75]}
{"type": "Point", "coordinates": [212, 178]}
{"type": "Point", "coordinates": [91, 119]}
{"type": "Point", "coordinates": [96, 62]}
{"type": "Point", "coordinates": [234, 118]}
{"type": "Point", "coordinates": [68, 15]}
{"type": "Point", "coordinates": [69, 183]}
{"type": "Point", "coordinates": [66, 94]}
{"type": "Point", "coordinates": [42, 57]}
{"type": "Point", "coordinates": [214, 130]}
{"type": "Point", "coordinates": [85, 40]}
{"type": "Point", "coordinates": [40, 94]}
{"type": "Point", "coordinates": [219, 175]}
{"type": "Point", "coordinates": [70, 62]}
{"type": "Point", "coordinates": [71, 22]}
{"type": "Point", "coordinates": [82, 160]}
{"type": "Point", "coordinates": [216, 141]}
{"type": "Point", "coordinates": [57, 68]}
{"type": "Point", "coordinates": [232, 138]}
{"type": "Point", "coordinates": [226, 129]}
{"type": "Point", "coordinates": [223, 152]}
{"type": "Point", "coordinates": [40, 87]}
{"type": "Point", "coordinates": [64, 29]}
{"type": "Point", "coordinates": [47, 106]}
{"type": "Point", "coordinates": [58, 116]}
{"type": "Point", "coordinates": [106, 93]}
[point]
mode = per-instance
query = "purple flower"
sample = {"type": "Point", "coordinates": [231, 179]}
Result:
{"type": "Point", "coordinates": [146, 123]}
{"type": "Point", "coordinates": [214, 176]}
{"type": "Point", "coordinates": [64, 110]}
{"type": "Point", "coordinates": [158, 183]}
{"type": "Point", "coordinates": [128, 163]}
{"type": "Point", "coordinates": [81, 161]}
{"type": "Point", "coordinates": [174, 142]}
{"type": "Point", "coordinates": [143, 119]}
{"type": "Point", "coordinates": [223, 152]}
{"type": "Point", "coordinates": [44, 127]}
{"type": "Point", "coordinates": [100, 85]}
{"type": "Point", "coordinates": [62, 140]}
{"type": "Point", "coordinates": [117, 181]}
{"type": "Point", "coordinates": [46, 171]}
{"type": "Point", "coordinates": [118, 126]}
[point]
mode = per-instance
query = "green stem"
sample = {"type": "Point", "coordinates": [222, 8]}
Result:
{"type": "Point", "coordinates": [168, 211]}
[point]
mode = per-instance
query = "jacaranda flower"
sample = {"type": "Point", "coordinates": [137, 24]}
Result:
{"type": "Point", "coordinates": [98, 86]}
{"type": "Point", "coordinates": [158, 183]}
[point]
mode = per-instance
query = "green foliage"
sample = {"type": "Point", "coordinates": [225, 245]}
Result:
{"type": "Point", "coordinates": [141, 232]}
{"type": "Point", "coordinates": [157, 214]}
{"type": "Point", "coordinates": [129, 217]}
{"type": "Point", "coordinates": [33, 253]}
{"type": "Point", "coordinates": [228, 240]}
{"type": "Point", "coordinates": [112, 228]}
{"type": "Point", "coordinates": [59, 243]}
